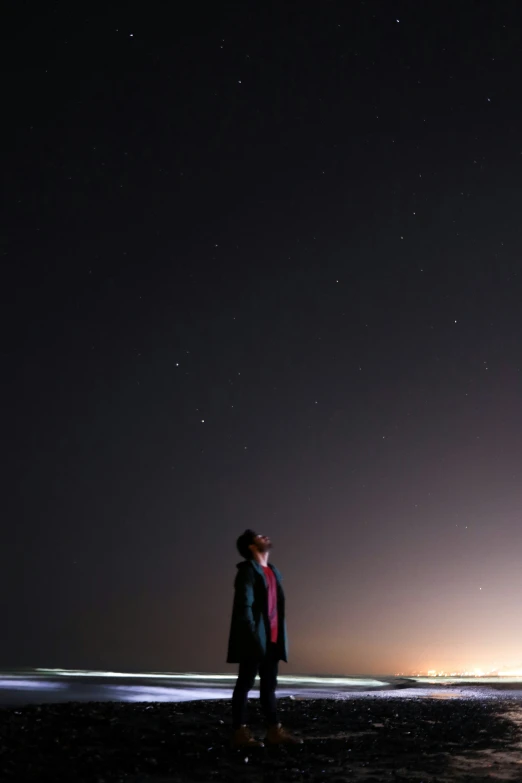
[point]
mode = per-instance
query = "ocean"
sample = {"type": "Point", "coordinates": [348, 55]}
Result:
{"type": "Point", "coordinates": [46, 686]}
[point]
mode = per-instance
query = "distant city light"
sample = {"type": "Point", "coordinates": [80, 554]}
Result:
{"type": "Point", "coordinates": [476, 672]}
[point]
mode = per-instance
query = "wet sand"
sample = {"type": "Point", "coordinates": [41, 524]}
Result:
{"type": "Point", "coordinates": [369, 739]}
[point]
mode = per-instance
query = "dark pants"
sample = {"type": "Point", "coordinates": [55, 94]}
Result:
{"type": "Point", "coordinates": [248, 670]}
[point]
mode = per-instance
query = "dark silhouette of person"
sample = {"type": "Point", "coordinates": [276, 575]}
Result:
{"type": "Point", "coordinates": [258, 639]}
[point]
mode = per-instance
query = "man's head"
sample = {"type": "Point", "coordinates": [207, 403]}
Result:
{"type": "Point", "coordinates": [250, 542]}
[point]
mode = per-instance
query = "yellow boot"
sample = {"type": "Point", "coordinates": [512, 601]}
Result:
{"type": "Point", "coordinates": [277, 735]}
{"type": "Point", "coordinates": [242, 738]}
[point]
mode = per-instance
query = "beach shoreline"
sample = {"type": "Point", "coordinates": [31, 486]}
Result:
{"type": "Point", "coordinates": [48, 686]}
{"type": "Point", "coordinates": [351, 738]}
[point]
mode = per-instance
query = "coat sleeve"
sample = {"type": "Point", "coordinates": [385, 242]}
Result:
{"type": "Point", "coordinates": [244, 601]}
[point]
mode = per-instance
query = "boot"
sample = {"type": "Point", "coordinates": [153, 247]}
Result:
{"type": "Point", "coordinates": [277, 735]}
{"type": "Point", "coordinates": [242, 738]}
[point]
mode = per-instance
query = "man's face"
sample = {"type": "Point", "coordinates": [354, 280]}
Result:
{"type": "Point", "coordinates": [262, 543]}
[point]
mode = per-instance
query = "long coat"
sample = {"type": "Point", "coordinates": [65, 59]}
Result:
{"type": "Point", "coordinates": [250, 627]}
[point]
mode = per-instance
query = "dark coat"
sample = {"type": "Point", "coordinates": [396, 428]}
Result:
{"type": "Point", "coordinates": [250, 627]}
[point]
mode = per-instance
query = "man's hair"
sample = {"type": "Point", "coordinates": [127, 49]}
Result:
{"type": "Point", "coordinates": [243, 543]}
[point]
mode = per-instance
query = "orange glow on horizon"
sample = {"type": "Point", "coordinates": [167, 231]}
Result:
{"type": "Point", "coordinates": [503, 671]}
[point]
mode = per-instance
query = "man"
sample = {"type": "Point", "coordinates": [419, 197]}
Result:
{"type": "Point", "coordinates": [257, 638]}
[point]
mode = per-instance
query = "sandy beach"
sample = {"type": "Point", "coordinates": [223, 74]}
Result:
{"type": "Point", "coordinates": [443, 738]}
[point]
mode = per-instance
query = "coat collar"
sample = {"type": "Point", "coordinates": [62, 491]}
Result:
{"type": "Point", "coordinates": [258, 568]}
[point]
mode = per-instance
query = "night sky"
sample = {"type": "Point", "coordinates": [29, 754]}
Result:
{"type": "Point", "coordinates": [261, 267]}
